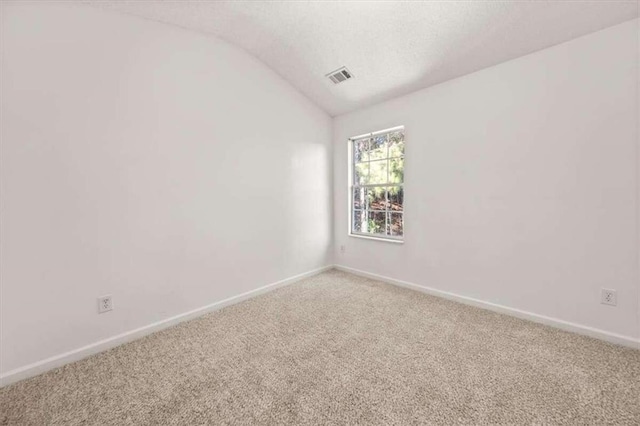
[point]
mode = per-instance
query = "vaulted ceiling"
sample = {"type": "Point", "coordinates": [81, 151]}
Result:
{"type": "Point", "coordinates": [392, 48]}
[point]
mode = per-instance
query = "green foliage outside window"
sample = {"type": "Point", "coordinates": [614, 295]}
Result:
{"type": "Point", "coordinates": [377, 192]}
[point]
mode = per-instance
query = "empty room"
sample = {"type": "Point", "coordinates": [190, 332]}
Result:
{"type": "Point", "coordinates": [319, 212]}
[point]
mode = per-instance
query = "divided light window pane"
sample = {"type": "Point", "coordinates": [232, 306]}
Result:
{"type": "Point", "coordinates": [377, 193]}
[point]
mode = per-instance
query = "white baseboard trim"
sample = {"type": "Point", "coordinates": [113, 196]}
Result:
{"type": "Point", "coordinates": [541, 319]}
{"type": "Point", "coordinates": [111, 342]}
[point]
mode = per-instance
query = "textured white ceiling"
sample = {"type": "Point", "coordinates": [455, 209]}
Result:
{"type": "Point", "coordinates": [392, 48]}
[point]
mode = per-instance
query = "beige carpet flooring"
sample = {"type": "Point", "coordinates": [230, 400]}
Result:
{"type": "Point", "coordinates": [340, 349]}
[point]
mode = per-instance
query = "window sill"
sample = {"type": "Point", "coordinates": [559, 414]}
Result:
{"type": "Point", "coordinates": [384, 240]}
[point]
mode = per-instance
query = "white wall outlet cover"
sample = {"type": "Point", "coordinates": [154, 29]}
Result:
{"type": "Point", "coordinates": [609, 297]}
{"type": "Point", "coordinates": [105, 304]}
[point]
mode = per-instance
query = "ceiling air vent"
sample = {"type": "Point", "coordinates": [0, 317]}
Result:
{"type": "Point", "coordinates": [340, 75]}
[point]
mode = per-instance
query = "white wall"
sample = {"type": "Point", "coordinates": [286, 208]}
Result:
{"type": "Point", "coordinates": [521, 183]}
{"type": "Point", "coordinates": [166, 168]}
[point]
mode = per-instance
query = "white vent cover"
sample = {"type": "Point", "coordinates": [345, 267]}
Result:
{"type": "Point", "coordinates": [340, 75]}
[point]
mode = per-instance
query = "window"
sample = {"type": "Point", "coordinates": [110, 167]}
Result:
{"type": "Point", "coordinates": [377, 177]}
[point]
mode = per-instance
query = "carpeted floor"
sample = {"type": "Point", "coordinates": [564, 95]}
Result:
{"type": "Point", "coordinates": [340, 349]}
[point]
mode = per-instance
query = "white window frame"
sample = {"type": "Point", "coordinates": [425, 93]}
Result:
{"type": "Point", "coordinates": [352, 186]}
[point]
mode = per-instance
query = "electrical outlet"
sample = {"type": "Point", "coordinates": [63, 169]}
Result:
{"type": "Point", "coordinates": [105, 304]}
{"type": "Point", "coordinates": [609, 297]}
{"type": "Point", "coordinates": [343, 249]}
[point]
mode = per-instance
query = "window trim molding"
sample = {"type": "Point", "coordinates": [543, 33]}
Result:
{"type": "Point", "coordinates": [384, 239]}
{"type": "Point", "coordinates": [350, 209]}
{"type": "Point", "coordinates": [379, 132]}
